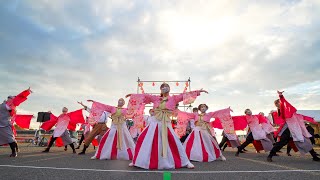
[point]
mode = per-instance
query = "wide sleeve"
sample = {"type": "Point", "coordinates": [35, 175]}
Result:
{"type": "Point", "coordinates": [137, 103]}
{"type": "Point", "coordinates": [76, 117]}
{"type": "Point", "coordinates": [309, 119]}
{"type": "Point", "coordinates": [104, 107]}
{"type": "Point", "coordinates": [265, 124]}
{"type": "Point", "coordinates": [262, 119]}
{"type": "Point", "coordinates": [49, 124]}
{"type": "Point", "coordinates": [187, 97]}
{"type": "Point", "coordinates": [286, 109]}
{"type": "Point", "coordinates": [23, 121]}
{"type": "Point", "coordinates": [220, 115]}
{"type": "Point", "coordinates": [97, 109]}
{"type": "Point", "coordinates": [223, 113]}
{"type": "Point", "coordinates": [240, 122]}
{"type": "Point", "coordinates": [150, 98]}
{"type": "Point", "coordinates": [182, 122]}
{"type": "Point", "coordinates": [20, 98]}
{"type": "Point", "coordinates": [277, 119]}
{"type": "Point", "coordinates": [216, 123]}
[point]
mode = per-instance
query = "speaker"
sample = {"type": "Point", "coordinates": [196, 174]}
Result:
{"type": "Point", "coordinates": [43, 116]}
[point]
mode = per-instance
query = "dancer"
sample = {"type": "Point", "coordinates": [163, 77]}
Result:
{"type": "Point", "coordinates": [184, 128]}
{"type": "Point", "coordinates": [117, 142]}
{"type": "Point", "coordinates": [201, 145]}
{"type": "Point", "coordinates": [7, 111]}
{"type": "Point", "coordinates": [256, 132]}
{"type": "Point", "coordinates": [99, 125]}
{"type": "Point", "coordinates": [293, 126]}
{"type": "Point", "coordinates": [86, 127]}
{"type": "Point", "coordinates": [158, 147]}
{"type": "Point", "coordinates": [135, 130]}
{"type": "Point", "coordinates": [229, 126]}
{"type": "Point", "coordinates": [267, 127]}
{"type": "Point", "coordinates": [64, 122]}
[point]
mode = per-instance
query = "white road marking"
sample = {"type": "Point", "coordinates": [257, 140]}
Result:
{"type": "Point", "coordinates": [151, 171]}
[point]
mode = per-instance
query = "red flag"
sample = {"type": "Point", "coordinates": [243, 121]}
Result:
{"type": "Point", "coordinates": [23, 120]}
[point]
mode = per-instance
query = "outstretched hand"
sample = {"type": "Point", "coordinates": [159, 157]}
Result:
{"type": "Point", "coordinates": [201, 90]}
{"type": "Point", "coordinates": [230, 109]}
{"type": "Point", "coordinates": [280, 92]}
{"type": "Point", "coordinates": [81, 103]}
{"type": "Point", "coordinates": [29, 89]}
{"type": "Point", "coordinates": [90, 100]}
{"type": "Point", "coordinates": [128, 95]}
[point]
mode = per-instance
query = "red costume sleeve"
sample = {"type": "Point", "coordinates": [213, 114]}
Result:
{"type": "Point", "coordinates": [309, 119]}
{"type": "Point", "coordinates": [20, 98]}
{"type": "Point", "coordinates": [95, 142]}
{"type": "Point", "coordinates": [240, 122]}
{"type": "Point", "coordinates": [216, 123]}
{"type": "Point", "coordinates": [23, 121]}
{"type": "Point", "coordinates": [49, 124]}
{"type": "Point", "coordinates": [136, 105]}
{"type": "Point", "coordinates": [102, 107]}
{"type": "Point", "coordinates": [286, 109]}
{"type": "Point", "coordinates": [276, 119]}
{"type": "Point", "coordinates": [76, 117]}
{"type": "Point", "coordinates": [262, 119]}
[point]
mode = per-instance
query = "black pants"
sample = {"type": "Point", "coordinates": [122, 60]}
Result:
{"type": "Point", "coordinates": [81, 139]}
{"type": "Point", "coordinates": [223, 141]}
{"type": "Point", "coordinates": [13, 147]}
{"type": "Point", "coordinates": [284, 140]}
{"type": "Point", "coordinates": [313, 141]}
{"type": "Point", "coordinates": [53, 139]}
{"type": "Point", "coordinates": [183, 138]}
{"type": "Point", "coordinates": [248, 141]}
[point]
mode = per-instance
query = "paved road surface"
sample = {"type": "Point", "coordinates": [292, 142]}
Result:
{"type": "Point", "coordinates": [58, 164]}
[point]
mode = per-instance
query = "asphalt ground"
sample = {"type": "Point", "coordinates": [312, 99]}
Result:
{"type": "Point", "coordinates": [31, 163]}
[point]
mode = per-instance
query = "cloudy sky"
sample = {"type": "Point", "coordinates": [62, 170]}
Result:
{"type": "Point", "coordinates": [240, 51]}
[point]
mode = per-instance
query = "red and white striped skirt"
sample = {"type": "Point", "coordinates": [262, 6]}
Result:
{"type": "Point", "coordinates": [201, 146]}
{"type": "Point", "coordinates": [108, 145]}
{"type": "Point", "coordinates": [149, 148]}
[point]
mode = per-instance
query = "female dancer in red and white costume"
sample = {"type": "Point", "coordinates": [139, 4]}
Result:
{"type": "Point", "coordinates": [158, 147]}
{"type": "Point", "coordinates": [293, 126]}
{"type": "Point", "coordinates": [117, 142]}
{"type": "Point", "coordinates": [201, 145]}
{"type": "Point", "coordinates": [256, 132]}
{"type": "Point", "coordinates": [7, 112]}
{"type": "Point", "coordinates": [63, 122]}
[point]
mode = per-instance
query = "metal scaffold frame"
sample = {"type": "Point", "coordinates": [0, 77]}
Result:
{"type": "Point", "coordinates": [140, 89]}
